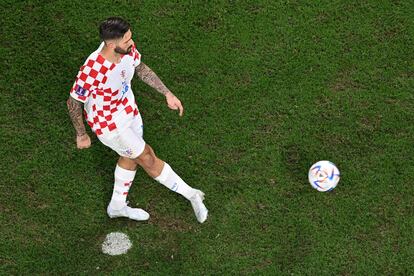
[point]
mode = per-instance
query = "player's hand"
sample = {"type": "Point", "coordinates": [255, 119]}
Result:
{"type": "Point", "coordinates": [174, 103]}
{"type": "Point", "coordinates": [83, 141]}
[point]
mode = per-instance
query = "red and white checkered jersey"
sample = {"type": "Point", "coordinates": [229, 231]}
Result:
{"type": "Point", "coordinates": [105, 89]}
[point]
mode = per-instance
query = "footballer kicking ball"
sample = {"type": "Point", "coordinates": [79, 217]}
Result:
{"type": "Point", "coordinates": [323, 176]}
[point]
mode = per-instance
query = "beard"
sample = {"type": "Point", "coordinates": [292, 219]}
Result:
{"type": "Point", "coordinates": [121, 51]}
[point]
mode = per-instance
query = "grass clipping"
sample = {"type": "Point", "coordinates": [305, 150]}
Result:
{"type": "Point", "coordinates": [116, 243]}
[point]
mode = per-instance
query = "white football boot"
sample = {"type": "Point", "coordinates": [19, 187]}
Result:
{"type": "Point", "coordinates": [128, 212]}
{"type": "Point", "coordinates": [199, 208]}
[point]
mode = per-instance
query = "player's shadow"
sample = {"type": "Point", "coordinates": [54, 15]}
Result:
{"type": "Point", "coordinates": [296, 160]}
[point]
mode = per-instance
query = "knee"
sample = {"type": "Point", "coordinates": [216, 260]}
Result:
{"type": "Point", "coordinates": [127, 163]}
{"type": "Point", "coordinates": [147, 158]}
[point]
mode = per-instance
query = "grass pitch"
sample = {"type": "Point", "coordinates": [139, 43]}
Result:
{"type": "Point", "coordinates": [268, 87]}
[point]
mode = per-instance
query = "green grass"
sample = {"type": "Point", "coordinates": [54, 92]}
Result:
{"type": "Point", "coordinates": [269, 87]}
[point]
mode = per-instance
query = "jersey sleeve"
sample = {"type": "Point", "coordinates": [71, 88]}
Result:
{"type": "Point", "coordinates": [90, 75]}
{"type": "Point", "coordinates": [83, 85]}
{"type": "Point", "coordinates": [136, 55]}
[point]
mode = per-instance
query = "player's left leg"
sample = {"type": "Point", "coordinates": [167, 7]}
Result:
{"type": "Point", "coordinates": [163, 173]}
{"type": "Point", "coordinates": [128, 145]}
{"type": "Point", "coordinates": [124, 176]}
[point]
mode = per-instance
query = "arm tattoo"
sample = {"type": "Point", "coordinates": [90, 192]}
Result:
{"type": "Point", "coordinates": [75, 113]}
{"type": "Point", "coordinates": [149, 77]}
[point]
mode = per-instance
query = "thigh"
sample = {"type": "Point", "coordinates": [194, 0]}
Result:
{"type": "Point", "coordinates": [138, 126]}
{"type": "Point", "coordinates": [126, 143]}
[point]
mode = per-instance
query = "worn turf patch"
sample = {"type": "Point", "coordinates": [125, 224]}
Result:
{"type": "Point", "coordinates": [116, 243]}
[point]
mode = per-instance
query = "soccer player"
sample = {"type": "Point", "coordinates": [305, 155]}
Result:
{"type": "Point", "coordinates": [103, 86]}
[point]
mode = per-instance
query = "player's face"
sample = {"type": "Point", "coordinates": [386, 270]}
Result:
{"type": "Point", "coordinates": [124, 45]}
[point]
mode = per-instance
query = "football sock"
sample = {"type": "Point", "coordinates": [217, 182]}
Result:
{"type": "Point", "coordinates": [123, 181]}
{"type": "Point", "coordinates": [172, 181]}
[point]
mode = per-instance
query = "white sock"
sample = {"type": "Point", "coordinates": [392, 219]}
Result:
{"type": "Point", "coordinates": [123, 181]}
{"type": "Point", "coordinates": [172, 181]}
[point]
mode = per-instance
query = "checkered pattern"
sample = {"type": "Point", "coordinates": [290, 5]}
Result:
{"type": "Point", "coordinates": [105, 88]}
{"type": "Point", "coordinates": [90, 75]}
{"type": "Point", "coordinates": [135, 54]}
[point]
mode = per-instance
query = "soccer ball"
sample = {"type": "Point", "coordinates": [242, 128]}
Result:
{"type": "Point", "coordinates": [323, 176]}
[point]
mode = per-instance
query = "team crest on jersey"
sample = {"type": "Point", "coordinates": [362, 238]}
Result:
{"type": "Point", "coordinates": [79, 90]}
{"type": "Point", "coordinates": [123, 74]}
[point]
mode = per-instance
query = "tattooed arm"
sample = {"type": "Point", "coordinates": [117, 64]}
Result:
{"type": "Point", "coordinates": [149, 77]}
{"type": "Point", "coordinates": [75, 113]}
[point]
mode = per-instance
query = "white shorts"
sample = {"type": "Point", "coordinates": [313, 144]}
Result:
{"type": "Point", "coordinates": [128, 142]}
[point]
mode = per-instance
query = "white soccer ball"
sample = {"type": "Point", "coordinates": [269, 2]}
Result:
{"type": "Point", "coordinates": [324, 176]}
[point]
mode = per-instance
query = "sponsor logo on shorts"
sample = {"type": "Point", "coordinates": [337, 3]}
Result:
{"type": "Point", "coordinates": [128, 152]}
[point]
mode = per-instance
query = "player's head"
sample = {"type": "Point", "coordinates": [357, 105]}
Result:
{"type": "Point", "coordinates": [116, 34]}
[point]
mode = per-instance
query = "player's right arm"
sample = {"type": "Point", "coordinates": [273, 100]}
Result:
{"type": "Point", "coordinates": [78, 95]}
{"type": "Point", "coordinates": [75, 112]}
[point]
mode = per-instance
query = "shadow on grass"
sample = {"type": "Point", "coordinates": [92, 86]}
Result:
{"type": "Point", "coordinates": [296, 160]}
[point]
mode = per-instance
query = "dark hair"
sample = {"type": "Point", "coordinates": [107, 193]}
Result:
{"type": "Point", "coordinates": [113, 28]}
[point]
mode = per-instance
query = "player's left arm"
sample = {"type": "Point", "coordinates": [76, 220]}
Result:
{"type": "Point", "coordinates": [149, 77]}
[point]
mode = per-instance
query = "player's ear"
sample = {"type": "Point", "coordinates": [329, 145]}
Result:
{"type": "Point", "coordinates": [110, 44]}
